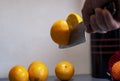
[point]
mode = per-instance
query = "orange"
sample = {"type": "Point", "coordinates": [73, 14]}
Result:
{"type": "Point", "coordinates": [116, 70]}
{"type": "Point", "coordinates": [73, 20]}
{"type": "Point", "coordinates": [60, 32]}
{"type": "Point", "coordinates": [61, 29]}
{"type": "Point", "coordinates": [38, 71]}
{"type": "Point", "coordinates": [18, 73]}
{"type": "Point", "coordinates": [64, 70]}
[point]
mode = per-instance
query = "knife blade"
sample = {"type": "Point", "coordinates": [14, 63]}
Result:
{"type": "Point", "coordinates": [77, 35]}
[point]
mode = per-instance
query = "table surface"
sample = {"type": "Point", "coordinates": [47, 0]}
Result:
{"type": "Point", "coordinates": [74, 78]}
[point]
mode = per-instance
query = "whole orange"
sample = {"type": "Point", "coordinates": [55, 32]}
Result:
{"type": "Point", "coordinates": [116, 70]}
{"type": "Point", "coordinates": [60, 32]}
{"type": "Point", "coordinates": [38, 71]}
{"type": "Point", "coordinates": [64, 70]}
{"type": "Point", "coordinates": [18, 73]}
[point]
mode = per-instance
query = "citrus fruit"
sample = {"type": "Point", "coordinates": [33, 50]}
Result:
{"type": "Point", "coordinates": [73, 20]}
{"type": "Point", "coordinates": [60, 32]}
{"type": "Point", "coordinates": [61, 29]}
{"type": "Point", "coordinates": [116, 70]}
{"type": "Point", "coordinates": [64, 70]}
{"type": "Point", "coordinates": [38, 71]}
{"type": "Point", "coordinates": [18, 73]}
{"type": "Point", "coordinates": [113, 59]}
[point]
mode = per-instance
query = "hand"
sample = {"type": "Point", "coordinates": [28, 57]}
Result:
{"type": "Point", "coordinates": [102, 20]}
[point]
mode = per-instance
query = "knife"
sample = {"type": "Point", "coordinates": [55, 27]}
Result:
{"type": "Point", "coordinates": [77, 35]}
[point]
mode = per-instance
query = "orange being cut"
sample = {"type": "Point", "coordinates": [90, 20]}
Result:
{"type": "Point", "coordinates": [38, 71]}
{"type": "Point", "coordinates": [64, 70]}
{"type": "Point", "coordinates": [18, 73]}
{"type": "Point", "coordinates": [61, 29]}
{"type": "Point", "coordinates": [73, 20]}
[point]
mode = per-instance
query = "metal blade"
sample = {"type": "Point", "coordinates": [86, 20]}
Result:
{"type": "Point", "coordinates": [77, 36]}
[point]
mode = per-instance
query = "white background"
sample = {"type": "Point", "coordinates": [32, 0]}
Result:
{"type": "Point", "coordinates": [25, 35]}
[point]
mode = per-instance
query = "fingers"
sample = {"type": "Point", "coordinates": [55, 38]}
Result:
{"type": "Point", "coordinates": [97, 21]}
{"type": "Point", "coordinates": [102, 21]}
{"type": "Point", "coordinates": [109, 20]}
{"type": "Point", "coordinates": [94, 25]}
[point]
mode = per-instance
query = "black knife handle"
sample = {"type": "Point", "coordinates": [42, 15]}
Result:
{"type": "Point", "coordinates": [111, 7]}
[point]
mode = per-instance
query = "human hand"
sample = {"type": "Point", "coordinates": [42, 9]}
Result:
{"type": "Point", "coordinates": [102, 20]}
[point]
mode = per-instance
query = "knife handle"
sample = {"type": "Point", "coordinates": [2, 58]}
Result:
{"type": "Point", "coordinates": [111, 7]}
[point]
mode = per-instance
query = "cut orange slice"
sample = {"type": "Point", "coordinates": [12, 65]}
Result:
{"type": "Point", "coordinates": [73, 19]}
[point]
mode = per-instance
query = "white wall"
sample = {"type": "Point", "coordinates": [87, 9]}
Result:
{"type": "Point", "coordinates": [25, 35]}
